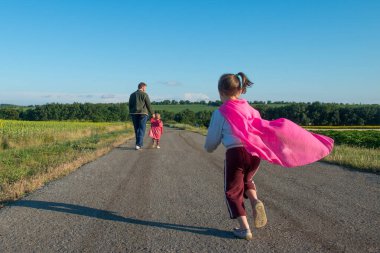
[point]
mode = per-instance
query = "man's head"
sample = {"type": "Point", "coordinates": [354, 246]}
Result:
{"type": "Point", "coordinates": [142, 86]}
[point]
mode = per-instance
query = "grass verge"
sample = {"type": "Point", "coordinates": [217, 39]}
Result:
{"type": "Point", "coordinates": [27, 169]}
{"type": "Point", "coordinates": [358, 158]}
{"type": "Point", "coordinates": [200, 130]}
{"type": "Point", "coordinates": [364, 159]}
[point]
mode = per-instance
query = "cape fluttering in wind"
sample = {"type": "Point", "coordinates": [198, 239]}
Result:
{"type": "Point", "coordinates": [279, 141]}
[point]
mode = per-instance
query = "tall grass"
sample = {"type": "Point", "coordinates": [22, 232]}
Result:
{"type": "Point", "coordinates": [33, 153]}
{"type": "Point", "coordinates": [366, 159]}
{"type": "Point", "coordinates": [19, 134]}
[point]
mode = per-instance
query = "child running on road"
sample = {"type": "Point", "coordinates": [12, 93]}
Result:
{"type": "Point", "coordinates": [156, 129]}
{"type": "Point", "coordinates": [248, 138]}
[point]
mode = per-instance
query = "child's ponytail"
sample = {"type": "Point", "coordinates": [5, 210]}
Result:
{"type": "Point", "coordinates": [230, 84]}
{"type": "Point", "coordinates": [244, 82]}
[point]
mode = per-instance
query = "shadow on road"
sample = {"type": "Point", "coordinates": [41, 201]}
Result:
{"type": "Point", "coordinates": [125, 148]}
{"type": "Point", "coordinates": [107, 215]}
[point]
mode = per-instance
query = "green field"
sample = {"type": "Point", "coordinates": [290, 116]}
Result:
{"type": "Point", "coordinates": [35, 152]}
{"type": "Point", "coordinates": [357, 149]}
{"type": "Point", "coordinates": [354, 138]}
{"type": "Point", "coordinates": [19, 134]}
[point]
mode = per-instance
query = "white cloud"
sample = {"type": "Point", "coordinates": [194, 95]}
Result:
{"type": "Point", "coordinates": [86, 96]}
{"type": "Point", "coordinates": [171, 83]}
{"type": "Point", "coordinates": [196, 97]}
{"type": "Point", "coordinates": [108, 96]}
{"type": "Point", "coordinates": [39, 98]}
{"type": "Point", "coordinates": [159, 98]}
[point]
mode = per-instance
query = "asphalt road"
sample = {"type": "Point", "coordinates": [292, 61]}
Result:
{"type": "Point", "coordinates": [171, 200]}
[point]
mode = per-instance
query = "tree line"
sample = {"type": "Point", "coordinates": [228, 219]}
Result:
{"type": "Point", "coordinates": [318, 114]}
{"type": "Point", "coordinates": [67, 112]}
{"type": "Point", "coordinates": [324, 114]}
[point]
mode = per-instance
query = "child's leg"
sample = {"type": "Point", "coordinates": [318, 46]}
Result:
{"type": "Point", "coordinates": [234, 186]}
{"type": "Point", "coordinates": [243, 222]}
{"type": "Point", "coordinates": [153, 142]}
{"type": "Point", "coordinates": [158, 142]}
{"type": "Point", "coordinates": [252, 195]}
{"type": "Point", "coordinates": [258, 210]}
{"type": "Point", "coordinates": [259, 214]}
{"type": "Point", "coordinates": [249, 185]}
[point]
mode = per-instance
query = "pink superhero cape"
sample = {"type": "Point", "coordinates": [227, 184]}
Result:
{"type": "Point", "coordinates": [279, 141]}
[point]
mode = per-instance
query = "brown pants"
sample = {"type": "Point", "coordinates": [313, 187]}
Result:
{"type": "Point", "coordinates": [239, 169]}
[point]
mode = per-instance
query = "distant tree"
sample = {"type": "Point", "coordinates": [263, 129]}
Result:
{"type": "Point", "coordinates": [203, 118]}
{"type": "Point", "coordinates": [186, 116]}
{"type": "Point", "coordinates": [10, 113]}
{"type": "Point", "coordinates": [215, 103]}
{"type": "Point", "coordinates": [77, 111]}
{"type": "Point", "coordinates": [166, 115]}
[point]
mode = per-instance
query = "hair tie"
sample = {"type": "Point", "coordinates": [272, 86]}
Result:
{"type": "Point", "coordinates": [240, 81]}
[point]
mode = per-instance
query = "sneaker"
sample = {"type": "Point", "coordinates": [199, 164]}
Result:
{"type": "Point", "coordinates": [242, 233]}
{"type": "Point", "coordinates": [158, 146]}
{"type": "Point", "coordinates": [138, 147]}
{"type": "Point", "coordinates": [259, 215]}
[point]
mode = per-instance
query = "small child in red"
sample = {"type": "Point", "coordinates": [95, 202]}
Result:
{"type": "Point", "coordinates": [156, 129]}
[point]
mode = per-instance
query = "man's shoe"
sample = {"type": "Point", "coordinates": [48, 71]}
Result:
{"type": "Point", "coordinates": [242, 233]}
{"type": "Point", "coordinates": [138, 147]}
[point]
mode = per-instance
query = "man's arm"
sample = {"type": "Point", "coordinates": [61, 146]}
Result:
{"type": "Point", "coordinates": [148, 106]}
{"type": "Point", "coordinates": [130, 103]}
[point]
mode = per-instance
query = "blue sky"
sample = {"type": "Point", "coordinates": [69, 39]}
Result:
{"type": "Point", "coordinates": [98, 51]}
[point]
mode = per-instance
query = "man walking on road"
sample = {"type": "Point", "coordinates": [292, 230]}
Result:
{"type": "Point", "coordinates": [139, 107]}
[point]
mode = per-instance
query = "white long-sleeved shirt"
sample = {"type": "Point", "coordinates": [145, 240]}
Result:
{"type": "Point", "coordinates": [220, 131]}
